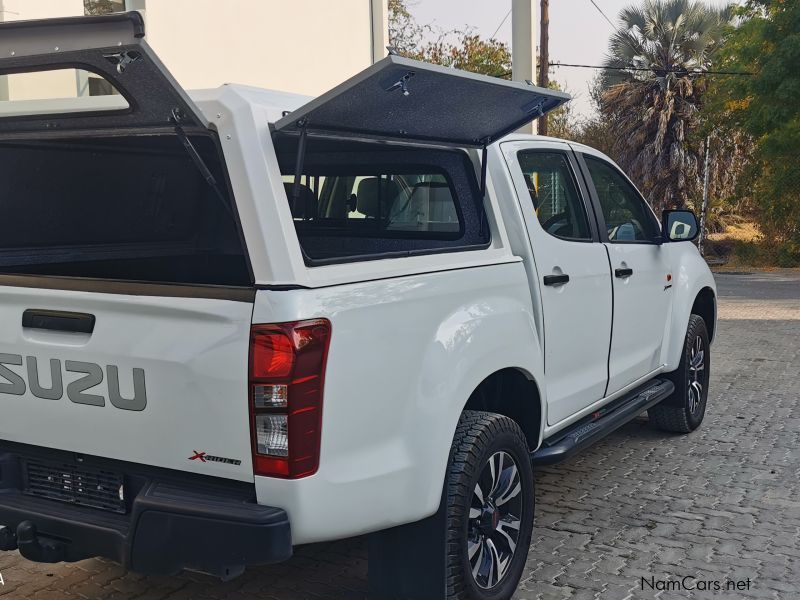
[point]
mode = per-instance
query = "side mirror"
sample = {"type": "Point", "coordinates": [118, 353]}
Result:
{"type": "Point", "coordinates": [679, 225]}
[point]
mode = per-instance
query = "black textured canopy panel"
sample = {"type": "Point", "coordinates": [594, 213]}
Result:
{"type": "Point", "coordinates": [111, 46]}
{"type": "Point", "coordinates": [403, 99]}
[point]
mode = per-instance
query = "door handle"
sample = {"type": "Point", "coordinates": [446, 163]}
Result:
{"type": "Point", "coordinates": [556, 279]}
{"type": "Point", "coordinates": [622, 273]}
{"type": "Point", "coordinates": [56, 320]}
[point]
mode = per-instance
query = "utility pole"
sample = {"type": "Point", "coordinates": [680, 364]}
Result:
{"type": "Point", "coordinates": [523, 46]}
{"type": "Point", "coordinates": [544, 57]}
{"type": "Point", "coordinates": [704, 208]}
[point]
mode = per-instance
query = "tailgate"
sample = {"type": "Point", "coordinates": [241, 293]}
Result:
{"type": "Point", "coordinates": [156, 380]}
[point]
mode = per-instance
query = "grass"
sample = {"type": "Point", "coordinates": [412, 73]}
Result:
{"type": "Point", "coordinates": [742, 246]}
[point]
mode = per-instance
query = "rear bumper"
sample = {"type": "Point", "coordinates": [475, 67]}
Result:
{"type": "Point", "coordinates": [169, 525]}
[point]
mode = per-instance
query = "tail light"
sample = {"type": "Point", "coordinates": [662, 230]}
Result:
{"type": "Point", "coordinates": [287, 373]}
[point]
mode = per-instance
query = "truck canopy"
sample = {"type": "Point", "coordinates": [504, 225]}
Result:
{"type": "Point", "coordinates": [111, 47]}
{"type": "Point", "coordinates": [127, 185]}
{"type": "Point", "coordinates": [402, 99]}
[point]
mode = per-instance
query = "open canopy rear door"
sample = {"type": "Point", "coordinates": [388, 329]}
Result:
{"type": "Point", "coordinates": [111, 47]}
{"type": "Point", "coordinates": [402, 99]}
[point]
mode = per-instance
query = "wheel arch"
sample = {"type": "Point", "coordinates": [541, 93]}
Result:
{"type": "Point", "coordinates": [514, 393]}
{"type": "Point", "coordinates": [693, 290]}
{"type": "Point", "coordinates": [705, 305]}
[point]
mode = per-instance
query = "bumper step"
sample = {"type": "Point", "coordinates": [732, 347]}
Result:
{"type": "Point", "coordinates": [585, 433]}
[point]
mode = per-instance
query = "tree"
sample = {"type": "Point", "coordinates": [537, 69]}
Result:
{"type": "Point", "coordinates": [652, 92]}
{"type": "Point", "coordinates": [405, 35]}
{"type": "Point", "coordinates": [765, 106]}
{"type": "Point", "coordinates": [460, 48]}
{"type": "Point", "coordinates": [99, 7]}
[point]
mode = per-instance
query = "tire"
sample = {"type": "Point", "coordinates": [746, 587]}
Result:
{"type": "Point", "coordinates": [484, 558]}
{"type": "Point", "coordinates": [684, 410]}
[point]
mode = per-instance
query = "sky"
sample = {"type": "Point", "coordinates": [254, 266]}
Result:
{"type": "Point", "coordinates": [578, 32]}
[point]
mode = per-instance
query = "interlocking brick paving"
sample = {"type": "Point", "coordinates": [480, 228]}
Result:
{"type": "Point", "coordinates": [721, 503]}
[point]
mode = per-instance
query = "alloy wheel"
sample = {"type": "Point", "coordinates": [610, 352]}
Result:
{"type": "Point", "coordinates": [697, 365]}
{"type": "Point", "coordinates": [494, 520]}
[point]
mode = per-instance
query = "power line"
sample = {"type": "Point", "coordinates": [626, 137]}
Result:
{"type": "Point", "coordinates": [508, 14]}
{"type": "Point", "coordinates": [600, 10]}
{"type": "Point", "coordinates": [680, 71]}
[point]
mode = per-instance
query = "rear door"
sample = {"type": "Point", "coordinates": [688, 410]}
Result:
{"type": "Point", "coordinates": [573, 274]}
{"type": "Point", "coordinates": [640, 269]}
{"type": "Point", "coordinates": [151, 373]}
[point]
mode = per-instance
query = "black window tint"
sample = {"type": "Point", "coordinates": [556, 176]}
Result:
{"type": "Point", "coordinates": [627, 216]}
{"type": "Point", "coordinates": [555, 196]}
{"type": "Point", "coordinates": [376, 203]}
{"type": "Point", "coordinates": [360, 202]}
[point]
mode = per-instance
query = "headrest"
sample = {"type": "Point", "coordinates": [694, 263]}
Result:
{"type": "Point", "coordinates": [306, 205]}
{"type": "Point", "coordinates": [372, 188]}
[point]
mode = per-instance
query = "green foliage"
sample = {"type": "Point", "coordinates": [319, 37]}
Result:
{"type": "Point", "coordinates": [405, 35]}
{"type": "Point", "coordinates": [766, 106]}
{"type": "Point", "coordinates": [652, 91]}
{"type": "Point", "coordinates": [463, 49]}
{"type": "Point", "coordinates": [460, 48]}
{"type": "Point", "coordinates": [99, 7]}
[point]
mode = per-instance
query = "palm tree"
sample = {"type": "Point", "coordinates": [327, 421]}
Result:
{"type": "Point", "coordinates": [652, 91]}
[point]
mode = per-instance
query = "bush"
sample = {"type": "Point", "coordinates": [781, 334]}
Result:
{"type": "Point", "coordinates": [788, 255]}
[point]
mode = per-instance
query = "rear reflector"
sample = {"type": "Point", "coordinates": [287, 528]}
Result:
{"type": "Point", "coordinates": [287, 372]}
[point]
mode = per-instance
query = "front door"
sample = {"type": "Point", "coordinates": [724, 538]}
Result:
{"type": "Point", "coordinates": [573, 274]}
{"type": "Point", "coordinates": [640, 272]}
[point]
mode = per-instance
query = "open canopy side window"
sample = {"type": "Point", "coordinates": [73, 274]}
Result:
{"type": "Point", "coordinates": [402, 99]}
{"type": "Point", "coordinates": [111, 51]}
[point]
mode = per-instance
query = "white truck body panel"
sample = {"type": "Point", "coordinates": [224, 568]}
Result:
{"type": "Point", "coordinates": [405, 354]}
{"type": "Point", "coordinates": [193, 352]}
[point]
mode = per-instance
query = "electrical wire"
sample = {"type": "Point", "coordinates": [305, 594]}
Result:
{"type": "Point", "coordinates": [508, 14]}
{"type": "Point", "coordinates": [600, 10]}
{"type": "Point", "coordinates": [681, 71]}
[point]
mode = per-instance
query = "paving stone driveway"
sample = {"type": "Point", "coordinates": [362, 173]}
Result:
{"type": "Point", "coordinates": [720, 504]}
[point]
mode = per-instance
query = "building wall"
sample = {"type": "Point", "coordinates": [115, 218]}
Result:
{"type": "Point", "coordinates": [302, 46]}
{"type": "Point", "coordinates": [40, 85]}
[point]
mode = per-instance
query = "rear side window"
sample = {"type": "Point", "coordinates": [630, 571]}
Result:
{"type": "Point", "coordinates": [554, 195]}
{"type": "Point", "coordinates": [382, 203]}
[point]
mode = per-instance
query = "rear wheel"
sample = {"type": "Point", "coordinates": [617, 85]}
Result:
{"type": "Point", "coordinates": [490, 504]}
{"type": "Point", "coordinates": [684, 410]}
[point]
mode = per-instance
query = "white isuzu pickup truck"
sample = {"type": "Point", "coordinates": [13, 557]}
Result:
{"type": "Point", "coordinates": [235, 321]}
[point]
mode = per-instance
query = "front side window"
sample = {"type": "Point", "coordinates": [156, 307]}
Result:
{"type": "Point", "coordinates": [627, 216]}
{"type": "Point", "coordinates": [554, 195]}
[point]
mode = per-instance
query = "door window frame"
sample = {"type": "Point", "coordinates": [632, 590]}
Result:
{"type": "Point", "coordinates": [598, 209]}
{"type": "Point", "coordinates": [580, 186]}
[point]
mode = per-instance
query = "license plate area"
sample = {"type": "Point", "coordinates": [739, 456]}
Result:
{"type": "Point", "coordinates": [76, 484]}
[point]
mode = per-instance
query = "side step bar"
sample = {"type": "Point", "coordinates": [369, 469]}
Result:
{"type": "Point", "coordinates": [584, 433]}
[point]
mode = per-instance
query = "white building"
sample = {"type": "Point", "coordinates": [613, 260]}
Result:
{"type": "Point", "coordinates": [301, 46]}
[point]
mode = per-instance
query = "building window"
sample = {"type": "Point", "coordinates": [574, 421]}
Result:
{"type": "Point", "coordinates": [103, 7]}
